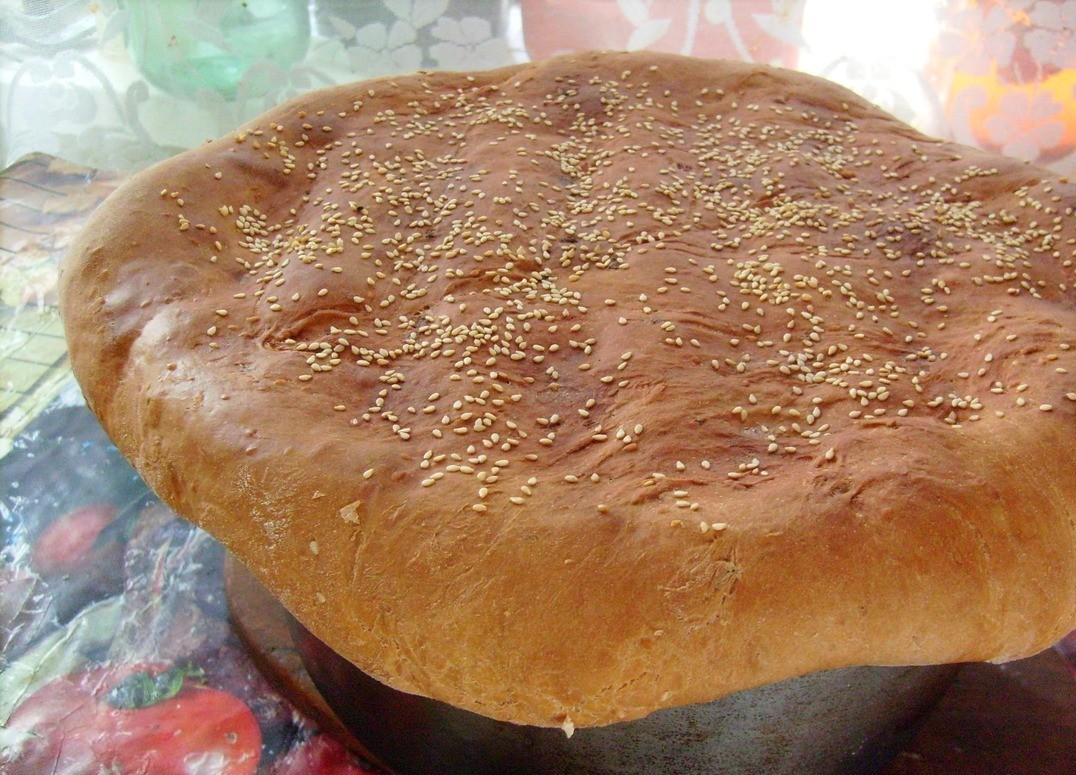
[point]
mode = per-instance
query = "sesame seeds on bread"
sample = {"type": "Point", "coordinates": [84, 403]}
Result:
{"type": "Point", "coordinates": [573, 390]}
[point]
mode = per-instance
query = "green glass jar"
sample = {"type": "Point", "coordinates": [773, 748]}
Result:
{"type": "Point", "coordinates": [236, 48]}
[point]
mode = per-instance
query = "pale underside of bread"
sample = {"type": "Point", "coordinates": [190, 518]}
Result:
{"type": "Point", "coordinates": [570, 391]}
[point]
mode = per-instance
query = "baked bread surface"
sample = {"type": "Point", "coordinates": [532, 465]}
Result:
{"type": "Point", "coordinates": [573, 390]}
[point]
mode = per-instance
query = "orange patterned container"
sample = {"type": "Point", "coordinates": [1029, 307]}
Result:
{"type": "Point", "coordinates": [1012, 77]}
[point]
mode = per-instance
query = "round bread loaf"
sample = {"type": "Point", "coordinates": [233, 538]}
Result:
{"type": "Point", "coordinates": [574, 390]}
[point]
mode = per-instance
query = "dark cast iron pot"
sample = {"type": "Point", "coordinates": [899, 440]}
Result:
{"type": "Point", "coordinates": [836, 722]}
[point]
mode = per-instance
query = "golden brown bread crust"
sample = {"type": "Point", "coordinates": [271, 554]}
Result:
{"type": "Point", "coordinates": [570, 391]}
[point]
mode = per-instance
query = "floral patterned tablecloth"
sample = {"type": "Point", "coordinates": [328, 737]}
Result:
{"type": "Point", "coordinates": [116, 648]}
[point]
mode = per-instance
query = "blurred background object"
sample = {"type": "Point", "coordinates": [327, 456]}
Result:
{"type": "Point", "coordinates": [766, 31]}
{"type": "Point", "coordinates": [119, 84]}
{"type": "Point", "coordinates": [45, 25]}
{"type": "Point", "coordinates": [391, 37]}
{"type": "Point", "coordinates": [881, 51]}
{"type": "Point", "coordinates": [235, 49]}
{"type": "Point", "coordinates": [1009, 75]}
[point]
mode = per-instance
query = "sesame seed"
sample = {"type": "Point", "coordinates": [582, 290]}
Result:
{"type": "Point", "coordinates": [798, 344]}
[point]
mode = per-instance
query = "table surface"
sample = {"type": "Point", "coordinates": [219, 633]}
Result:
{"type": "Point", "coordinates": [150, 587]}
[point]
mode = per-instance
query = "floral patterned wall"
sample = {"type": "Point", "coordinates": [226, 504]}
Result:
{"type": "Point", "coordinates": [118, 84]}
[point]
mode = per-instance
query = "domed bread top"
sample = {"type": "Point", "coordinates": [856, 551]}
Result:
{"type": "Point", "coordinates": [569, 391]}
